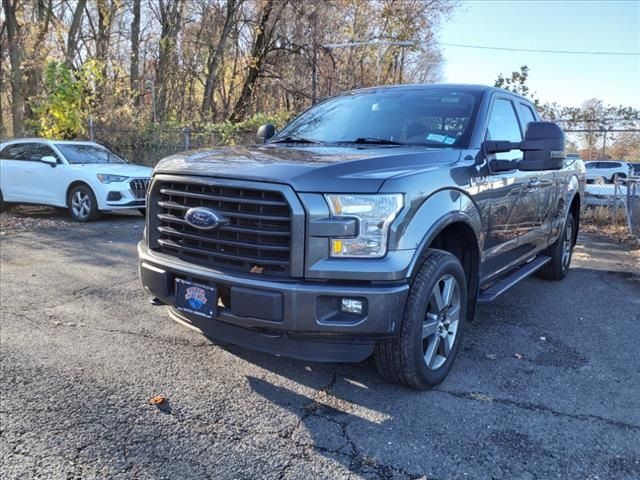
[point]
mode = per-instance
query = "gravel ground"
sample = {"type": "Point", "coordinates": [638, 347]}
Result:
{"type": "Point", "coordinates": [546, 385]}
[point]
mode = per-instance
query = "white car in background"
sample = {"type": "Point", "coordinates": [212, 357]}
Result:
{"type": "Point", "coordinates": [606, 171]}
{"type": "Point", "coordinates": [84, 177]}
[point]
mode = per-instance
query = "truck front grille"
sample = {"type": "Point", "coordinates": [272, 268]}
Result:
{"type": "Point", "coordinates": [255, 239]}
{"type": "Point", "coordinates": [139, 187]}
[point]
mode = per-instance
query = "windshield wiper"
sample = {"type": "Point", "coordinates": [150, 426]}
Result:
{"type": "Point", "coordinates": [372, 141]}
{"type": "Point", "coordinates": [295, 140]}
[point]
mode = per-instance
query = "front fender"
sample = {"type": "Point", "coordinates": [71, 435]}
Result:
{"type": "Point", "coordinates": [436, 213]}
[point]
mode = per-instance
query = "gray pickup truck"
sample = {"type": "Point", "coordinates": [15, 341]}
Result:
{"type": "Point", "coordinates": [371, 225]}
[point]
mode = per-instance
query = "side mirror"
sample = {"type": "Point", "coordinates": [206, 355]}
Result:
{"type": "Point", "coordinates": [49, 160]}
{"type": "Point", "coordinates": [266, 131]}
{"type": "Point", "coordinates": [543, 147]}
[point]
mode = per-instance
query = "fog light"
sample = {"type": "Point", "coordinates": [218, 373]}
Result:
{"type": "Point", "coordinates": [351, 305]}
{"type": "Point", "coordinates": [114, 197]}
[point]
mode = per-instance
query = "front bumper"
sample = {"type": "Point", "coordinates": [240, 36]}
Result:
{"type": "Point", "coordinates": [294, 318]}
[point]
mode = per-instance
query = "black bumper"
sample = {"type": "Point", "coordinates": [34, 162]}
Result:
{"type": "Point", "coordinates": [296, 319]}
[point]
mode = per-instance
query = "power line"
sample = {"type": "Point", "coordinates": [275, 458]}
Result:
{"type": "Point", "coordinates": [508, 49]}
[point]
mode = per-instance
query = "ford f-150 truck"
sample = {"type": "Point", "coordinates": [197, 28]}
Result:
{"type": "Point", "coordinates": [371, 225]}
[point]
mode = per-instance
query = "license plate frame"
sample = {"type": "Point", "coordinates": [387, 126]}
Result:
{"type": "Point", "coordinates": [195, 298]}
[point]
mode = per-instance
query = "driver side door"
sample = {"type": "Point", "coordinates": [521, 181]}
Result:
{"type": "Point", "coordinates": [45, 181]}
{"type": "Point", "coordinates": [511, 210]}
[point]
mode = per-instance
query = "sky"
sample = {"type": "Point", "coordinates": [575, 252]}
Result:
{"type": "Point", "coordinates": [574, 25]}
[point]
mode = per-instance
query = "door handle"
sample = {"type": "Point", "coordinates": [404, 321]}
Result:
{"type": "Point", "coordinates": [29, 171]}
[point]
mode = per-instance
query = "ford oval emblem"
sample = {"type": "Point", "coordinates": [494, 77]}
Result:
{"type": "Point", "coordinates": [202, 218]}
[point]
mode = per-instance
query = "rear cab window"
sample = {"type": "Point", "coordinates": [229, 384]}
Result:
{"type": "Point", "coordinates": [16, 151]}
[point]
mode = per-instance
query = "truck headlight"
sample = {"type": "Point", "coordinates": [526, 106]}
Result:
{"type": "Point", "coordinates": [108, 178]}
{"type": "Point", "coordinates": [374, 213]}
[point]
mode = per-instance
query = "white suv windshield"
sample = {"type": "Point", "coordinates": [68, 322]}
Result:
{"type": "Point", "coordinates": [88, 154]}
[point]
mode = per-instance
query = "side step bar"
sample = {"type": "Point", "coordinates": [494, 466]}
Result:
{"type": "Point", "coordinates": [490, 294]}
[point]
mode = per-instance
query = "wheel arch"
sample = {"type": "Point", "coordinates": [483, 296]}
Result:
{"type": "Point", "coordinates": [454, 233]}
{"type": "Point", "coordinates": [77, 183]}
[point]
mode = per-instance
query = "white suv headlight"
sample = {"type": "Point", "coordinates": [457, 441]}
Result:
{"type": "Point", "coordinates": [374, 213]}
{"type": "Point", "coordinates": [108, 178]}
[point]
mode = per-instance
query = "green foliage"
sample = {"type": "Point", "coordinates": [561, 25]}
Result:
{"type": "Point", "coordinates": [64, 107]}
{"type": "Point", "coordinates": [229, 132]}
{"type": "Point", "coordinates": [516, 83]}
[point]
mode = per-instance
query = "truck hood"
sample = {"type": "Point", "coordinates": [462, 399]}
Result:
{"type": "Point", "coordinates": [115, 169]}
{"type": "Point", "coordinates": [361, 169]}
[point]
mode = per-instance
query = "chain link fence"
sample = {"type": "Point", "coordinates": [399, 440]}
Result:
{"type": "Point", "coordinates": [617, 202]}
{"type": "Point", "coordinates": [150, 146]}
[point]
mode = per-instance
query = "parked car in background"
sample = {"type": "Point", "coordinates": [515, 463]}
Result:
{"type": "Point", "coordinates": [85, 177]}
{"type": "Point", "coordinates": [635, 169]}
{"type": "Point", "coordinates": [606, 171]}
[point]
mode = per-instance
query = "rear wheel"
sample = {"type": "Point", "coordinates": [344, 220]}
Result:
{"type": "Point", "coordinates": [560, 252]}
{"type": "Point", "coordinates": [83, 206]}
{"type": "Point", "coordinates": [421, 356]}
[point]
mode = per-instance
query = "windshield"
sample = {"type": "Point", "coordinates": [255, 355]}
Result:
{"type": "Point", "coordinates": [79, 153]}
{"type": "Point", "coordinates": [434, 117]}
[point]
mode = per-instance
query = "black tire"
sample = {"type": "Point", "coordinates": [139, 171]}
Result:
{"type": "Point", "coordinates": [82, 204]}
{"type": "Point", "coordinates": [143, 211]}
{"type": "Point", "coordinates": [618, 176]}
{"type": "Point", "coordinates": [560, 253]}
{"type": "Point", "coordinates": [402, 359]}
{"type": "Point", "coordinates": [3, 206]}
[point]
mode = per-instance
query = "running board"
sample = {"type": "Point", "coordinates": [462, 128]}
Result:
{"type": "Point", "coordinates": [498, 288]}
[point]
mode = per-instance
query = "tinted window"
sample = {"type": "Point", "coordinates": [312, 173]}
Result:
{"type": "Point", "coordinates": [79, 153]}
{"type": "Point", "coordinates": [503, 122]}
{"type": "Point", "coordinates": [526, 114]}
{"type": "Point", "coordinates": [38, 150]}
{"type": "Point", "coordinates": [434, 117]}
{"type": "Point", "coordinates": [16, 151]}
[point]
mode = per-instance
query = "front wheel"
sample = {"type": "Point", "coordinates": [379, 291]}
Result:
{"type": "Point", "coordinates": [421, 356]}
{"type": "Point", "coordinates": [83, 206]}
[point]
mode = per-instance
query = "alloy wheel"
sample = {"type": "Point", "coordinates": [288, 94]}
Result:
{"type": "Point", "coordinates": [566, 246]}
{"type": "Point", "coordinates": [440, 326]}
{"type": "Point", "coordinates": [81, 204]}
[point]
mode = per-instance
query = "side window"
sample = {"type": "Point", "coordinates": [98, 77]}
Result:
{"type": "Point", "coordinates": [527, 115]}
{"type": "Point", "coordinates": [503, 125]}
{"type": "Point", "coordinates": [16, 151]}
{"type": "Point", "coordinates": [39, 150]}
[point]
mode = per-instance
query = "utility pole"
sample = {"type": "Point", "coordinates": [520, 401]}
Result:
{"type": "Point", "coordinates": [314, 66]}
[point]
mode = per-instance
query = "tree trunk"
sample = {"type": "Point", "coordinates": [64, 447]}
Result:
{"type": "Point", "coordinates": [171, 22]}
{"type": "Point", "coordinates": [258, 54]}
{"type": "Point", "coordinates": [213, 61]}
{"type": "Point", "coordinates": [134, 69]}
{"type": "Point", "coordinates": [15, 58]}
{"type": "Point", "coordinates": [72, 36]}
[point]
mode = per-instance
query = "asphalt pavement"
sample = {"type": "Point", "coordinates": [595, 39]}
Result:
{"type": "Point", "coordinates": [547, 384]}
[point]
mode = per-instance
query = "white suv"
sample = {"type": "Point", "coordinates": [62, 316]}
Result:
{"type": "Point", "coordinates": [604, 171]}
{"type": "Point", "coordinates": [84, 177]}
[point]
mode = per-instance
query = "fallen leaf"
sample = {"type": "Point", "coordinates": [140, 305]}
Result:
{"type": "Point", "coordinates": [481, 397]}
{"type": "Point", "coordinates": [490, 356]}
{"type": "Point", "coordinates": [157, 400]}
{"type": "Point", "coordinates": [544, 339]}
{"type": "Point", "coordinates": [519, 356]}
{"type": "Point", "coordinates": [257, 269]}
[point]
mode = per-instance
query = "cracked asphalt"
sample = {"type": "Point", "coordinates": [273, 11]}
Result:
{"type": "Point", "coordinates": [82, 352]}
